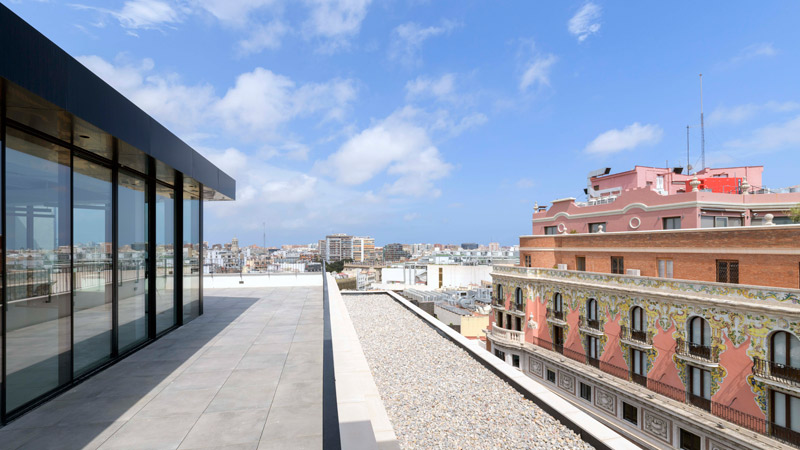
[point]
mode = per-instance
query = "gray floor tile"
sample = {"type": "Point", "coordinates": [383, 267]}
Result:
{"type": "Point", "coordinates": [226, 428]}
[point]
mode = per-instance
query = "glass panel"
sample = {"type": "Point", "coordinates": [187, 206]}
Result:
{"type": "Point", "coordinates": [696, 380]}
{"type": "Point", "coordinates": [91, 138]}
{"type": "Point", "coordinates": [779, 401]}
{"type": "Point", "coordinates": [130, 156]}
{"type": "Point", "coordinates": [38, 262]}
{"type": "Point", "coordinates": [636, 318]}
{"type": "Point", "coordinates": [779, 348]}
{"type": "Point", "coordinates": [707, 222]}
{"type": "Point", "coordinates": [734, 221]}
{"type": "Point", "coordinates": [720, 221]}
{"type": "Point", "coordinates": [661, 268]}
{"type": "Point", "coordinates": [165, 173]}
{"type": "Point", "coordinates": [165, 258]}
{"type": "Point", "coordinates": [695, 335]}
{"type": "Point", "coordinates": [35, 112]}
{"type": "Point", "coordinates": [794, 413]}
{"type": "Point", "coordinates": [794, 352]}
{"type": "Point", "coordinates": [669, 268]}
{"type": "Point", "coordinates": [191, 253]}
{"type": "Point", "coordinates": [706, 384]}
{"type": "Point", "coordinates": [706, 333]}
{"type": "Point", "coordinates": [92, 292]}
{"type": "Point", "coordinates": [133, 254]}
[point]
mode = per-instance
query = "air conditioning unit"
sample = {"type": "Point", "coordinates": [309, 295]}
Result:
{"type": "Point", "coordinates": [634, 272]}
{"type": "Point", "coordinates": [562, 267]}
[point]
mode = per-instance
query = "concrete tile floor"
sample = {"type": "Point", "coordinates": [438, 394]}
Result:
{"type": "Point", "coordinates": [245, 375]}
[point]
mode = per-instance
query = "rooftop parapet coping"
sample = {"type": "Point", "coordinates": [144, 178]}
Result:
{"type": "Point", "coordinates": [722, 290]}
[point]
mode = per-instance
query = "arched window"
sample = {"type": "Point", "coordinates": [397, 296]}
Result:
{"type": "Point", "coordinates": [786, 349]}
{"type": "Point", "coordinates": [518, 296]}
{"type": "Point", "coordinates": [699, 332]}
{"type": "Point", "coordinates": [500, 292]}
{"type": "Point", "coordinates": [558, 303]}
{"type": "Point", "coordinates": [591, 309]}
{"type": "Point", "coordinates": [638, 319]}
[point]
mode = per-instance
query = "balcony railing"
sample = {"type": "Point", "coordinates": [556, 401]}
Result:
{"type": "Point", "coordinates": [509, 335]}
{"type": "Point", "coordinates": [706, 353]}
{"type": "Point", "coordinates": [640, 336]}
{"type": "Point", "coordinates": [700, 402]}
{"type": "Point", "coordinates": [594, 362]}
{"type": "Point", "coordinates": [776, 372]}
{"type": "Point", "coordinates": [555, 315]}
{"type": "Point", "coordinates": [639, 379]}
{"type": "Point", "coordinates": [785, 434]}
{"type": "Point", "coordinates": [593, 324]}
{"type": "Point", "coordinates": [520, 307]}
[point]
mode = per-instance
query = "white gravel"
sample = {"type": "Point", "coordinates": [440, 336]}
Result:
{"type": "Point", "coordinates": [437, 396]}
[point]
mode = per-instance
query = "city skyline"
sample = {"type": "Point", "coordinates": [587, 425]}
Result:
{"type": "Point", "coordinates": [391, 121]}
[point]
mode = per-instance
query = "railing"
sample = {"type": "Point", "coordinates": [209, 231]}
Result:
{"type": "Point", "coordinates": [639, 379]}
{"type": "Point", "coordinates": [517, 307]}
{"type": "Point", "coordinates": [509, 335]}
{"type": "Point", "coordinates": [697, 351]}
{"type": "Point", "coordinates": [497, 301]}
{"type": "Point", "coordinates": [744, 420]}
{"type": "Point", "coordinates": [705, 288]}
{"type": "Point", "coordinates": [776, 371]}
{"type": "Point", "coordinates": [556, 315]}
{"type": "Point", "coordinates": [667, 390]}
{"type": "Point", "coordinates": [629, 334]}
{"type": "Point", "coordinates": [699, 401]}
{"type": "Point", "coordinates": [594, 362]}
{"type": "Point", "coordinates": [785, 434]}
{"type": "Point", "coordinates": [593, 324]}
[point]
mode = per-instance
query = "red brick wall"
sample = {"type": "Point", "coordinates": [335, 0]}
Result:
{"type": "Point", "coordinates": [757, 268]}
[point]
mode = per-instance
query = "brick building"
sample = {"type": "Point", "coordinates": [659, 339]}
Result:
{"type": "Point", "coordinates": [677, 338]}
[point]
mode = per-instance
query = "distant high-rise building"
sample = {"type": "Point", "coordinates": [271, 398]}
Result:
{"type": "Point", "coordinates": [494, 246]}
{"type": "Point", "coordinates": [363, 249]}
{"type": "Point", "coordinates": [394, 252]}
{"type": "Point", "coordinates": [469, 246]}
{"type": "Point", "coordinates": [338, 247]}
{"type": "Point", "coordinates": [234, 245]}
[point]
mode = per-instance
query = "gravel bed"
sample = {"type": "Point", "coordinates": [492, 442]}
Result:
{"type": "Point", "coordinates": [437, 396]}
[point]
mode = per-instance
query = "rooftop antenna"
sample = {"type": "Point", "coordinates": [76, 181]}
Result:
{"type": "Point", "coordinates": [702, 126]}
{"type": "Point", "coordinates": [688, 161]}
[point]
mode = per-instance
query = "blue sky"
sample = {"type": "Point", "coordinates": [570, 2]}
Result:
{"type": "Point", "coordinates": [439, 121]}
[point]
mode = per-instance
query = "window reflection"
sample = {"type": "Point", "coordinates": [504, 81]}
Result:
{"type": "Point", "coordinates": [38, 264]}
{"type": "Point", "coordinates": [132, 275]}
{"type": "Point", "coordinates": [165, 257]}
{"type": "Point", "coordinates": [191, 250]}
{"type": "Point", "coordinates": [92, 246]}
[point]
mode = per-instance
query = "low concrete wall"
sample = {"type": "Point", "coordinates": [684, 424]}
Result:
{"type": "Point", "coordinates": [249, 280]}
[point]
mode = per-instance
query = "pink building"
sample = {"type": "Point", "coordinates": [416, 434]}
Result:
{"type": "Point", "coordinates": [650, 198]}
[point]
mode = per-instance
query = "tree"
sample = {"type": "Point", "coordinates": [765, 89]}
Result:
{"type": "Point", "coordinates": [794, 214]}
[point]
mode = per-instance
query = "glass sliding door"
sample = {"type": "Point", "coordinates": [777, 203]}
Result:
{"type": "Point", "coordinates": [92, 270]}
{"type": "Point", "coordinates": [38, 240]}
{"type": "Point", "coordinates": [165, 257]}
{"type": "Point", "coordinates": [191, 250]}
{"type": "Point", "coordinates": [133, 254]}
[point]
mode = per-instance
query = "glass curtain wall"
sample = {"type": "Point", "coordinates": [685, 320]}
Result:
{"type": "Point", "coordinates": [92, 269]}
{"type": "Point", "coordinates": [191, 250]}
{"type": "Point", "coordinates": [132, 273]}
{"type": "Point", "coordinates": [38, 243]}
{"type": "Point", "coordinates": [165, 258]}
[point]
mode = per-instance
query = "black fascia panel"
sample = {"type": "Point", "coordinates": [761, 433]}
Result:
{"type": "Point", "coordinates": [36, 64]}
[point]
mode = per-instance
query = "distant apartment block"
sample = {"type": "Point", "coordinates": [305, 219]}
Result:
{"type": "Point", "coordinates": [337, 247]}
{"type": "Point", "coordinates": [363, 249]}
{"type": "Point", "coordinates": [649, 198]}
{"type": "Point", "coordinates": [684, 338]}
{"type": "Point", "coordinates": [394, 252]}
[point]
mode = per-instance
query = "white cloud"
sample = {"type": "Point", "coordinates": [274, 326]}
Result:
{"type": "Point", "coordinates": [396, 146]}
{"type": "Point", "coordinates": [585, 22]}
{"type": "Point", "coordinates": [524, 183]}
{"type": "Point", "coordinates": [256, 107]}
{"type": "Point", "coordinates": [756, 50]}
{"type": "Point", "coordinates": [234, 12]}
{"type": "Point", "coordinates": [264, 37]}
{"type": "Point", "coordinates": [411, 216]}
{"type": "Point", "coordinates": [537, 72]}
{"type": "Point", "coordinates": [407, 40]}
{"type": "Point", "coordinates": [742, 113]}
{"type": "Point", "coordinates": [440, 88]}
{"type": "Point", "coordinates": [140, 14]}
{"type": "Point", "coordinates": [775, 136]}
{"type": "Point", "coordinates": [632, 136]}
{"type": "Point", "coordinates": [336, 18]}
